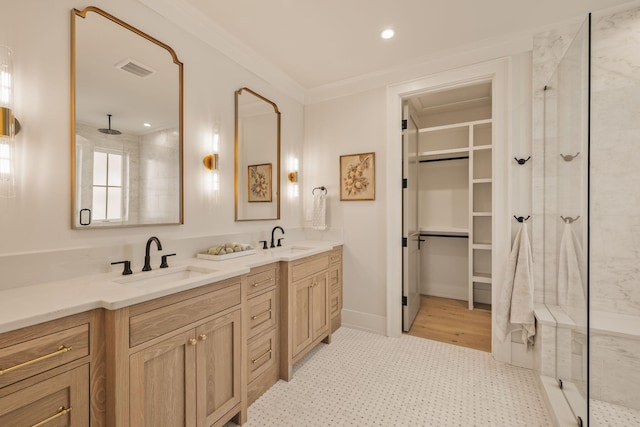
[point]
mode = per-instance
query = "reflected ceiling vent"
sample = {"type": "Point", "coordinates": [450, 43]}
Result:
{"type": "Point", "coordinates": [136, 68]}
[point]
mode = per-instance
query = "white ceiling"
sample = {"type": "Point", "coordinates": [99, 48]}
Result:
{"type": "Point", "coordinates": [318, 43]}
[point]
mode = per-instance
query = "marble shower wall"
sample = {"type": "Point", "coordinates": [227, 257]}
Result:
{"type": "Point", "coordinates": [614, 198]}
{"type": "Point", "coordinates": [615, 204]}
{"type": "Point", "coordinates": [615, 164]}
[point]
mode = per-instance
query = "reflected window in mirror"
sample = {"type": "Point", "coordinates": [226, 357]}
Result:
{"type": "Point", "coordinates": [257, 166]}
{"type": "Point", "coordinates": [126, 138]}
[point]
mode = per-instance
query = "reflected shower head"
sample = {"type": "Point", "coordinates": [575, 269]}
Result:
{"type": "Point", "coordinates": [110, 131]}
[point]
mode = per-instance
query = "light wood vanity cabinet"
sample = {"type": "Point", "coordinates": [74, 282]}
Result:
{"type": "Point", "coordinates": [263, 334]}
{"type": "Point", "coordinates": [178, 360]}
{"type": "Point", "coordinates": [335, 287]}
{"type": "Point", "coordinates": [304, 320]}
{"type": "Point", "coordinates": [53, 373]}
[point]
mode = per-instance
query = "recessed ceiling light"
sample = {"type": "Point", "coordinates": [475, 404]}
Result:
{"type": "Point", "coordinates": [387, 34]}
{"type": "Point", "coordinates": [147, 125]}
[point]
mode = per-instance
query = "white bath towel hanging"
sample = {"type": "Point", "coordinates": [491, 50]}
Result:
{"type": "Point", "coordinates": [515, 308]}
{"type": "Point", "coordinates": [571, 286]}
{"type": "Point", "coordinates": [319, 220]}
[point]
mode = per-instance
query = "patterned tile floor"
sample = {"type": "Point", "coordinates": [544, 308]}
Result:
{"type": "Point", "coordinates": [365, 379]}
{"type": "Point", "coordinates": [605, 414]}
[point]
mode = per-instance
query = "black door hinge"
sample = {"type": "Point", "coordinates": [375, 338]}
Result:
{"type": "Point", "coordinates": [404, 124]}
{"type": "Point", "coordinates": [405, 183]}
{"type": "Point", "coordinates": [404, 301]}
{"type": "Point", "coordinates": [405, 243]}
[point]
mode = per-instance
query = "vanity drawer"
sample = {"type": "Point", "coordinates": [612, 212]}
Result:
{"type": "Point", "coordinates": [50, 402]}
{"type": "Point", "coordinates": [261, 354]}
{"type": "Point", "coordinates": [154, 323]}
{"type": "Point", "coordinates": [261, 280]}
{"type": "Point", "coordinates": [335, 256]}
{"type": "Point", "coordinates": [334, 278]}
{"type": "Point", "coordinates": [334, 305]}
{"type": "Point", "coordinates": [262, 312]}
{"type": "Point", "coordinates": [40, 354]}
{"type": "Point", "coordinates": [309, 266]}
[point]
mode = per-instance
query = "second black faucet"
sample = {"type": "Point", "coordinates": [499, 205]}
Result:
{"type": "Point", "coordinates": [147, 257]}
{"type": "Point", "coordinates": [273, 232]}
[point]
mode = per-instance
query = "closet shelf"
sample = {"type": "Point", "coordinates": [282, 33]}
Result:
{"type": "Point", "coordinates": [481, 214]}
{"type": "Point", "coordinates": [455, 125]}
{"type": "Point", "coordinates": [482, 147]}
{"type": "Point", "coordinates": [481, 277]}
{"type": "Point", "coordinates": [482, 181]}
{"type": "Point", "coordinates": [482, 246]}
{"type": "Point", "coordinates": [443, 154]}
{"type": "Point", "coordinates": [447, 231]}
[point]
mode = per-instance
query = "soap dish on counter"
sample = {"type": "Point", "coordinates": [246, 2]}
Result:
{"type": "Point", "coordinates": [205, 255]}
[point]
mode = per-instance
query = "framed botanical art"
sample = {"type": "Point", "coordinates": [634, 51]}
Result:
{"type": "Point", "coordinates": [358, 176]}
{"type": "Point", "coordinates": [259, 183]}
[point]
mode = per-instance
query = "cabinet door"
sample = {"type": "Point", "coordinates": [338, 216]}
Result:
{"type": "Point", "coordinates": [301, 332]}
{"type": "Point", "coordinates": [62, 400]}
{"type": "Point", "coordinates": [319, 305]}
{"type": "Point", "coordinates": [163, 384]}
{"type": "Point", "coordinates": [218, 367]}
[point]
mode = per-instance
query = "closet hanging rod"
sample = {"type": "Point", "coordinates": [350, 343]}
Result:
{"type": "Point", "coordinates": [443, 160]}
{"type": "Point", "coordinates": [442, 235]}
{"type": "Point", "coordinates": [322, 188]}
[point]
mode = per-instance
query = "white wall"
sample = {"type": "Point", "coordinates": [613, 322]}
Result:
{"type": "Point", "coordinates": [350, 125]}
{"type": "Point", "coordinates": [38, 218]}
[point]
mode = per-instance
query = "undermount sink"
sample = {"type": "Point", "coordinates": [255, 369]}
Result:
{"type": "Point", "coordinates": [164, 276]}
{"type": "Point", "coordinates": [293, 249]}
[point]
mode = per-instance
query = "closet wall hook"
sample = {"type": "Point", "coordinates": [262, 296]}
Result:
{"type": "Point", "coordinates": [521, 218]}
{"type": "Point", "coordinates": [569, 220]}
{"type": "Point", "coordinates": [569, 157]}
{"type": "Point", "coordinates": [522, 161]}
{"type": "Point", "coordinates": [322, 188]}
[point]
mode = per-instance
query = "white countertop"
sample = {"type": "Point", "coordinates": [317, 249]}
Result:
{"type": "Point", "coordinates": [30, 305]}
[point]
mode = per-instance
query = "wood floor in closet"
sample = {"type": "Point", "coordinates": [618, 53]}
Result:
{"type": "Point", "coordinates": [451, 321]}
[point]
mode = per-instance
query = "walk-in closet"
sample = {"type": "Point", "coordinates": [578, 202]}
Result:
{"type": "Point", "coordinates": [452, 165]}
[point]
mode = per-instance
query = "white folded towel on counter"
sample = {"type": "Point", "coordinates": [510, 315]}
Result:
{"type": "Point", "coordinates": [319, 219]}
{"type": "Point", "coordinates": [515, 306]}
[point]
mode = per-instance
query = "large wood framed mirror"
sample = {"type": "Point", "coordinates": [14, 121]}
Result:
{"type": "Point", "coordinates": [126, 125]}
{"type": "Point", "coordinates": [257, 152]}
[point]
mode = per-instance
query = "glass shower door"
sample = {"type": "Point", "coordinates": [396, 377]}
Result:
{"type": "Point", "coordinates": [566, 219]}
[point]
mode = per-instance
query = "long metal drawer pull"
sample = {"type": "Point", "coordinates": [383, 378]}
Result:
{"type": "Point", "coordinates": [261, 314]}
{"type": "Point", "coordinates": [62, 411]}
{"type": "Point", "coordinates": [270, 279]}
{"type": "Point", "coordinates": [253, 361]}
{"type": "Point", "coordinates": [62, 349]}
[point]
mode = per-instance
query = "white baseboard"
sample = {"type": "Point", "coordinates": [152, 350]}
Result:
{"type": "Point", "coordinates": [364, 321]}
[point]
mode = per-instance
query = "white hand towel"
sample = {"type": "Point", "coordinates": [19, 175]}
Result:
{"type": "Point", "coordinates": [571, 287]}
{"type": "Point", "coordinates": [515, 308]}
{"type": "Point", "coordinates": [319, 221]}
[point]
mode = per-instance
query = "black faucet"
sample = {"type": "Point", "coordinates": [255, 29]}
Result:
{"type": "Point", "coordinates": [147, 258]}
{"type": "Point", "coordinates": [272, 233]}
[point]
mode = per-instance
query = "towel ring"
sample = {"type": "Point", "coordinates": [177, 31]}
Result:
{"type": "Point", "coordinates": [569, 220]}
{"type": "Point", "coordinates": [521, 218]}
{"type": "Point", "coordinates": [323, 188]}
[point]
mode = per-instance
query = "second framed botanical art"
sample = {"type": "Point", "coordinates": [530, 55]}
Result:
{"type": "Point", "coordinates": [358, 177]}
{"type": "Point", "coordinates": [259, 183]}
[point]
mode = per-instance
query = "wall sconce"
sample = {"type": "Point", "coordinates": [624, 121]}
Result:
{"type": "Point", "coordinates": [293, 170]}
{"type": "Point", "coordinates": [293, 177]}
{"type": "Point", "coordinates": [211, 161]}
{"type": "Point", "coordinates": [8, 125]}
